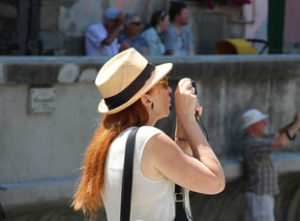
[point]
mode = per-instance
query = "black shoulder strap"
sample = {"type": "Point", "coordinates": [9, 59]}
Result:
{"type": "Point", "coordinates": [127, 176]}
{"type": "Point", "coordinates": [179, 199]}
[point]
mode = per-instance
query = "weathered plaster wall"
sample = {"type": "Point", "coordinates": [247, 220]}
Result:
{"type": "Point", "coordinates": [255, 15]}
{"type": "Point", "coordinates": [209, 26]}
{"type": "Point", "coordinates": [292, 17]}
{"type": "Point", "coordinates": [291, 30]}
{"type": "Point", "coordinates": [256, 21]}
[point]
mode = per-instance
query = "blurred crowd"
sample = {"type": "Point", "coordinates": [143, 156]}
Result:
{"type": "Point", "coordinates": [166, 33]}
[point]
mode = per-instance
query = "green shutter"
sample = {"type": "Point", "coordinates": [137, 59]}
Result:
{"type": "Point", "coordinates": [276, 25]}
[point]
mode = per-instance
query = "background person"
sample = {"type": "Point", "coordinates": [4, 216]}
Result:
{"type": "Point", "coordinates": [178, 37]}
{"type": "Point", "coordinates": [158, 161]}
{"type": "Point", "coordinates": [262, 181]}
{"type": "Point", "coordinates": [101, 38]}
{"type": "Point", "coordinates": [130, 36]}
{"type": "Point", "coordinates": [159, 23]}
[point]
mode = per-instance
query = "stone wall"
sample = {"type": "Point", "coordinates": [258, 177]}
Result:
{"type": "Point", "coordinates": [41, 152]}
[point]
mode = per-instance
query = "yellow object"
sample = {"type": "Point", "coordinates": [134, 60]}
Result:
{"type": "Point", "coordinates": [234, 46]}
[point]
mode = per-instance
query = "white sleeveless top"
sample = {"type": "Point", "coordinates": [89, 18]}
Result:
{"type": "Point", "coordinates": [151, 200]}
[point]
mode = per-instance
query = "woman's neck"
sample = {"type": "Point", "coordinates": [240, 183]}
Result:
{"type": "Point", "coordinates": [153, 118]}
{"type": "Point", "coordinates": [151, 122]}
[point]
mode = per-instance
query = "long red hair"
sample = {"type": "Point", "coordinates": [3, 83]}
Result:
{"type": "Point", "coordinates": [87, 197]}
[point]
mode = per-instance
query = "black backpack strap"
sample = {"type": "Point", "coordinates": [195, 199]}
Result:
{"type": "Point", "coordinates": [127, 176]}
{"type": "Point", "coordinates": [180, 214]}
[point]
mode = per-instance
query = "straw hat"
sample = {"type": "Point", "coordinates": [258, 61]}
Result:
{"type": "Point", "coordinates": [125, 78]}
{"type": "Point", "coordinates": [252, 116]}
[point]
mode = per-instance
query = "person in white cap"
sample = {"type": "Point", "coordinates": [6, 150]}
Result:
{"type": "Point", "coordinates": [135, 96]}
{"type": "Point", "coordinates": [101, 38]}
{"type": "Point", "coordinates": [262, 181]}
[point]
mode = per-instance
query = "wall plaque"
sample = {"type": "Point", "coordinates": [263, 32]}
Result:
{"type": "Point", "coordinates": [41, 100]}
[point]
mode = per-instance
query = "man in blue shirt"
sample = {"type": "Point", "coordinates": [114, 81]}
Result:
{"type": "Point", "coordinates": [101, 38]}
{"type": "Point", "coordinates": [178, 37]}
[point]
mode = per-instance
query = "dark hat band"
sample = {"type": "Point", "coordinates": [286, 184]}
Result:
{"type": "Point", "coordinates": [125, 95]}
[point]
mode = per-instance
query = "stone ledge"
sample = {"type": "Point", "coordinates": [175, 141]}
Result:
{"type": "Point", "coordinates": [63, 69]}
{"type": "Point", "coordinates": [284, 163]}
{"type": "Point", "coordinates": [37, 193]}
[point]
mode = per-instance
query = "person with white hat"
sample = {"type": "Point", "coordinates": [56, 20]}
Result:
{"type": "Point", "coordinates": [262, 181]}
{"type": "Point", "coordinates": [135, 96]}
{"type": "Point", "coordinates": [101, 38]}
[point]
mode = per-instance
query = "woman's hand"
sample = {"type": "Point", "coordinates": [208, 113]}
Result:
{"type": "Point", "coordinates": [185, 99]}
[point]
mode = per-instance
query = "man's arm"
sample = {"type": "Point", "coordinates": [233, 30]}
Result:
{"type": "Point", "coordinates": [112, 35]}
{"type": "Point", "coordinates": [286, 133]}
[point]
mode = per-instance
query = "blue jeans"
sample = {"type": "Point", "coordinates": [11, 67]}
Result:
{"type": "Point", "coordinates": [260, 207]}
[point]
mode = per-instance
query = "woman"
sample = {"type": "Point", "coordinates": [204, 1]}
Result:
{"type": "Point", "coordinates": [158, 161]}
{"type": "Point", "coordinates": [130, 36]}
{"type": "Point", "coordinates": [159, 23]}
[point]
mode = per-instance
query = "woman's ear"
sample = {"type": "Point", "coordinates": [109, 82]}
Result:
{"type": "Point", "coordinates": [146, 101]}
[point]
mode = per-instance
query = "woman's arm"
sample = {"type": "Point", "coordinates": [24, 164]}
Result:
{"type": "Point", "coordinates": [162, 157]}
{"type": "Point", "coordinates": [180, 139]}
{"type": "Point", "coordinates": [185, 103]}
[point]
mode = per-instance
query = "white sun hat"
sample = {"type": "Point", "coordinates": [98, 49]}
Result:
{"type": "Point", "coordinates": [252, 116]}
